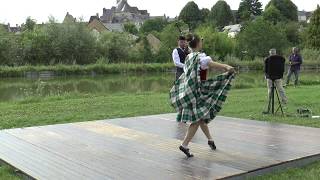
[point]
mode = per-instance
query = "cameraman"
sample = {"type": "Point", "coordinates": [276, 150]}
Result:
{"type": "Point", "coordinates": [275, 73]}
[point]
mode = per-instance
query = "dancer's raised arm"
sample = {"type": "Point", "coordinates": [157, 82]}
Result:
{"type": "Point", "coordinates": [219, 66]}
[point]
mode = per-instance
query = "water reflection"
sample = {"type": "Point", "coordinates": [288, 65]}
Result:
{"type": "Point", "coordinates": [20, 88]}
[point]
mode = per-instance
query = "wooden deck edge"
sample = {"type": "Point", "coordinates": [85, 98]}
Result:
{"type": "Point", "coordinates": [18, 172]}
{"type": "Point", "coordinates": [297, 163]}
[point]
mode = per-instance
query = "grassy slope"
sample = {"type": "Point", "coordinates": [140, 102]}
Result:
{"type": "Point", "coordinates": [245, 103]}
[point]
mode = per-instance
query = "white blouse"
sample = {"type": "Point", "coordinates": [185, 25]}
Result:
{"type": "Point", "coordinates": [204, 61]}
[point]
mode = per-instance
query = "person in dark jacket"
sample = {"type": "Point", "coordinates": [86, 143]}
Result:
{"type": "Point", "coordinates": [275, 73]}
{"type": "Point", "coordinates": [295, 61]}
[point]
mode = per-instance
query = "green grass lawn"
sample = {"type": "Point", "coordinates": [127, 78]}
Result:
{"type": "Point", "coordinates": [7, 173]}
{"type": "Point", "coordinates": [243, 103]}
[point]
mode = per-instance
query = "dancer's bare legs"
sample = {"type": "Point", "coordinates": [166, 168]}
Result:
{"type": "Point", "coordinates": [190, 134]}
{"type": "Point", "coordinates": [206, 131]}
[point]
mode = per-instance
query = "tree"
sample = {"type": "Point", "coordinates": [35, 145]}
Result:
{"type": "Point", "coordinates": [130, 28]}
{"type": "Point", "coordinates": [272, 14]}
{"type": "Point", "coordinates": [286, 7]}
{"type": "Point", "coordinates": [259, 36]}
{"type": "Point", "coordinates": [156, 24]}
{"type": "Point", "coordinates": [292, 31]}
{"type": "Point", "coordinates": [313, 32]}
{"type": "Point", "coordinates": [249, 8]}
{"type": "Point", "coordinates": [221, 14]}
{"type": "Point", "coordinates": [30, 24]}
{"type": "Point", "coordinates": [215, 43]}
{"type": "Point", "coordinates": [8, 47]}
{"type": "Point", "coordinates": [70, 43]}
{"type": "Point", "coordinates": [205, 13]}
{"type": "Point", "coordinates": [191, 15]}
{"type": "Point", "coordinates": [170, 34]}
{"type": "Point", "coordinates": [115, 46]}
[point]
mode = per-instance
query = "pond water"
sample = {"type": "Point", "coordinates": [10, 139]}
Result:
{"type": "Point", "coordinates": [19, 88]}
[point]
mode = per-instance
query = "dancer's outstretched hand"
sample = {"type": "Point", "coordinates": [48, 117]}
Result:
{"type": "Point", "coordinates": [230, 69]}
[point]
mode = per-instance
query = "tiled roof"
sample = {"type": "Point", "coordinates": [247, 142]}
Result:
{"type": "Point", "coordinates": [116, 27]}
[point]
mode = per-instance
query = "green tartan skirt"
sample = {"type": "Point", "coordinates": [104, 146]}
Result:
{"type": "Point", "coordinates": [204, 102]}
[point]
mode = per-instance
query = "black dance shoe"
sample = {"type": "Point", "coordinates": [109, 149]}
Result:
{"type": "Point", "coordinates": [212, 145]}
{"type": "Point", "coordinates": [186, 151]}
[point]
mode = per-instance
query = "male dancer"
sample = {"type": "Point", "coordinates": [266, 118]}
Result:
{"type": "Point", "coordinates": [179, 55]}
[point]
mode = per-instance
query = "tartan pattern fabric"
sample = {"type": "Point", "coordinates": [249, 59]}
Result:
{"type": "Point", "coordinates": [196, 100]}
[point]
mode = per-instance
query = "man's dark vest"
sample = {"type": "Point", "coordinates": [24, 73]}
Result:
{"type": "Point", "coordinates": [182, 56]}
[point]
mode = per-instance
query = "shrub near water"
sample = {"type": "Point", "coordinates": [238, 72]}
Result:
{"type": "Point", "coordinates": [67, 43]}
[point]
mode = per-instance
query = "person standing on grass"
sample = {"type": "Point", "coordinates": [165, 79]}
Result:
{"type": "Point", "coordinates": [279, 69]}
{"type": "Point", "coordinates": [295, 61]}
{"type": "Point", "coordinates": [199, 99]}
{"type": "Point", "coordinates": [179, 55]}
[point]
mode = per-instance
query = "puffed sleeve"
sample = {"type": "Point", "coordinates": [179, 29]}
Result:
{"type": "Point", "coordinates": [204, 61]}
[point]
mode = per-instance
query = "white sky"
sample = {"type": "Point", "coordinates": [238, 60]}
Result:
{"type": "Point", "coordinates": [16, 11]}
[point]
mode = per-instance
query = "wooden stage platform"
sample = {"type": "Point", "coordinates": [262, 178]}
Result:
{"type": "Point", "coordinates": [147, 148]}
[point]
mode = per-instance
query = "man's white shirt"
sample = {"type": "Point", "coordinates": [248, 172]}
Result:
{"type": "Point", "coordinates": [176, 59]}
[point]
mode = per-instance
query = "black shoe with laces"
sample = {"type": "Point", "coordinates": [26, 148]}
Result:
{"type": "Point", "coordinates": [186, 151]}
{"type": "Point", "coordinates": [212, 145]}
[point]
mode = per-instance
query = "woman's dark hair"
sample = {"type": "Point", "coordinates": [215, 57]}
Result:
{"type": "Point", "coordinates": [193, 40]}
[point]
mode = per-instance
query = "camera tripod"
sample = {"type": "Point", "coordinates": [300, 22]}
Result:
{"type": "Point", "coordinates": [271, 104]}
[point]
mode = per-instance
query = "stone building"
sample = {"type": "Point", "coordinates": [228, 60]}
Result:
{"type": "Point", "coordinates": [8, 28]}
{"type": "Point", "coordinates": [95, 23]}
{"type": "Point", "coordinates": [69, 18]}
{"type": "Point", "coordinates": [123, 12]}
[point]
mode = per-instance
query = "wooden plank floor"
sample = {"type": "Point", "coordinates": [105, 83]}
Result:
{"type": "Point", "coordinates": [146, 148]}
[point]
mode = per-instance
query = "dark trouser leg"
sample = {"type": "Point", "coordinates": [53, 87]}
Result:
{"type": "Point", "coordinates": [289, 76]}
{"type": "Point", "coordinates": [178, 74]}
{"type": "Point", "coordinates": [296, 74]}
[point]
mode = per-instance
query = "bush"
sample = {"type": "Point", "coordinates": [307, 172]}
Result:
{"type": "Point", "coordinates": [9, 48]}
{"type": "Point", "coordinates": [216, 43]}
{"type": "Point", "coordinates": [259, 36]}
{"type": "Point", "coordinates": [170, 34]}
{"type": "Point", "coordinates": [53, 43]}
{"type": "Point", "coordinates": [156, 24]}
{"type": "Point", "coordinates": [114, 46]}
{"type": "Point", "coordinates": [291, 29]}
{"type": "Point", "coordinates": [313, 32]}
{"type": "Point", "coordinates": [311, 54]}
{"type": "Point", "coordinates": [131, 28]}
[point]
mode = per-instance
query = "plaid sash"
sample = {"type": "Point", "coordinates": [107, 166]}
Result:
{"type": "Point", "coordinates": [196, 100]}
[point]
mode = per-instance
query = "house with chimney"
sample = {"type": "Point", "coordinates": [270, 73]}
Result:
{"type": "Point", "coordinates": [17, 29]}
{"type": "Point", "coordinates": [304, 16]}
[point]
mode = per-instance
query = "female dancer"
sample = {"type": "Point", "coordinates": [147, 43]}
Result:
{"type": "Point", "coordinates": [196, 99]}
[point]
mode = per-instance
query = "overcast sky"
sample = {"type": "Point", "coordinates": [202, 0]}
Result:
{"type": "Point", "coordinates": [16, 11]}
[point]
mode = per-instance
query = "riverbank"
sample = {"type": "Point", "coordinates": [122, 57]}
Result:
{"type": "Point", "coordinates": [101, 69]}
{"type": "Point", "coordinates": [92, 69]}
